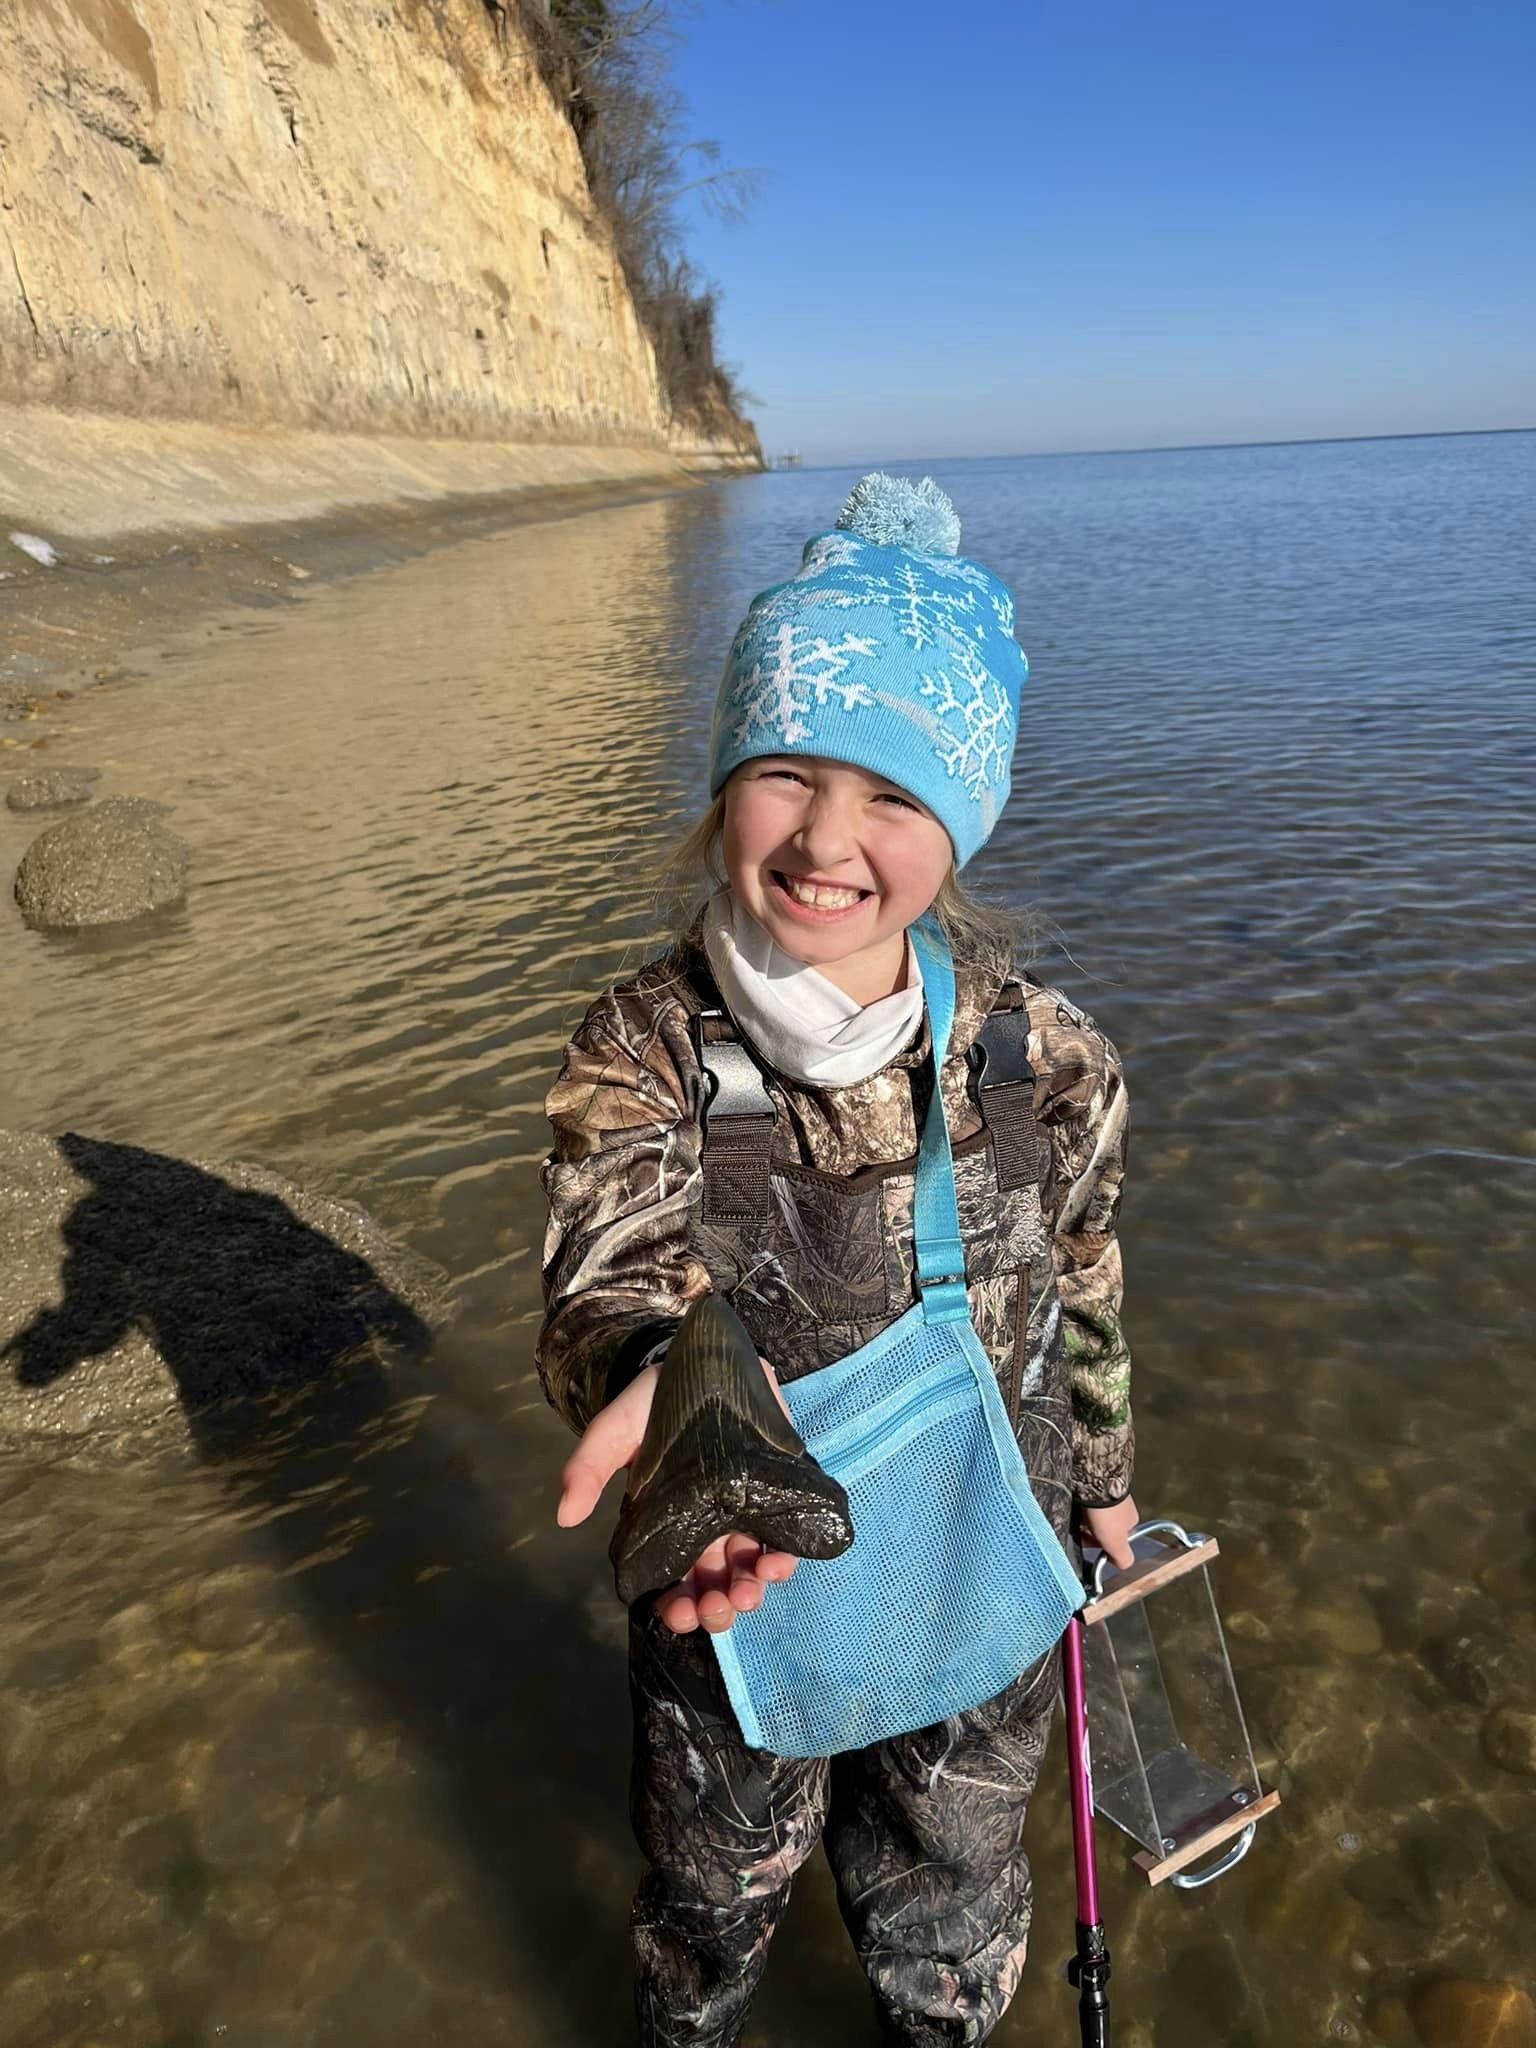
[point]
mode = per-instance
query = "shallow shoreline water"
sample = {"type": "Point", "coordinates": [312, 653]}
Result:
{"type": "Point", "coordinates": [326, 1738]}
{"type": "Point", "coordinates": [97, 609]}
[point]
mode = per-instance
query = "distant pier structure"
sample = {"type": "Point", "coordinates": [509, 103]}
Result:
{"type": "Point", "coordinates": [790, 460]}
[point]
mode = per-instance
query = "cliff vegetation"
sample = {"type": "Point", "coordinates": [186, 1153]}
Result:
{"type": "Point", "coordinates": [607, 60]}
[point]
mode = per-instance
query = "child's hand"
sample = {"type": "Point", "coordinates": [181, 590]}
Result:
{"type": "Point", "coordinates": [727, 1580]}
{"type": "Point", "coordinates": [1110, 1529]}
{"type": "Point", "coordinates": [730, 1576]}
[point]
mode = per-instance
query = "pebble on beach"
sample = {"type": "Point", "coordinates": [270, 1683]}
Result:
{"type": "Point", "coordinates": [52, 789]}
{"type": "Point", "coordinates": [109, 865]}
{"type": "Point", "coordinates": [42, 551]}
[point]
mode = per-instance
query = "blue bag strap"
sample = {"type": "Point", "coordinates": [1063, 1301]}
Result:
{"type": "Point", "coordinates": [940, 1255]}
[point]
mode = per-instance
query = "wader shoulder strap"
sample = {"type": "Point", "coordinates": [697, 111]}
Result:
{"type": "Point", "coordinates": [1005, 1093]}
{"type": "Point", "coordinates": [739, 1118]}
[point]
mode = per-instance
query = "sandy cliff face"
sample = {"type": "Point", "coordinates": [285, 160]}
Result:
{"type": "Point", "coordinates": [369, 217]}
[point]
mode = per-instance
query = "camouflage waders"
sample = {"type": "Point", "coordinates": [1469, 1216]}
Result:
{"type": "Point", "coordinates": [923, 1832]}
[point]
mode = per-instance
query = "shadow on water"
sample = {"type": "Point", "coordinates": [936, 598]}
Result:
{"type": "Point", "coordinates": [396, 1558]}
{"type": "Point", "coordinates": [237, 1294]}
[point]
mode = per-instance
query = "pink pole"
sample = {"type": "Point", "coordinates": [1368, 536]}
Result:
{"type": "Point", "coordinates": [1080, 1774]}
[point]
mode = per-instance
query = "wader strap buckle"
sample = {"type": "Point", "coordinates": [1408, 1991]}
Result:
{"type": "Point", "coordinates": [943, 1293]}
{"type": "Point", "coordinates": [738, 1121]}
{"type": "Point", "coordinates": [1005, 1095]}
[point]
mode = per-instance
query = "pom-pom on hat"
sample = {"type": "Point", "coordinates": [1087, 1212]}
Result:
{"type": "Point", "coordinates": [890, 651]}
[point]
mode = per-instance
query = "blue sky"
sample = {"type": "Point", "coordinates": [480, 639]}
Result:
{"type": "Point", "coordinates": [1013, 226]}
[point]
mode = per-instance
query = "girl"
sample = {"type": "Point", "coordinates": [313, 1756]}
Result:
{"type": "Point", "coordinates": [743, 1114]}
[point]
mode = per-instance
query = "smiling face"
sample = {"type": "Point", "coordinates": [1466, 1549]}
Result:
{"type": "Point", "coordinates": [795, 818]}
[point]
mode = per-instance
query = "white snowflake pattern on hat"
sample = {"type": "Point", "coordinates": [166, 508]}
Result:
{"type": "Point", "coordinates": [777, 691]}
{"type": "Point", "coordinates": [978, 749]}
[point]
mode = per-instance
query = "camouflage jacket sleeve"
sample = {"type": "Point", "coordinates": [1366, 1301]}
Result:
{"type": "Point", "coordinates": [1086, 1109]}
{"type": "Point", "coordinates": [617, 1273]}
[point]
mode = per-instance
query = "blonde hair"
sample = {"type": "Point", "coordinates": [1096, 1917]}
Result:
{"type": "Point", "coordinates": [687, 873]}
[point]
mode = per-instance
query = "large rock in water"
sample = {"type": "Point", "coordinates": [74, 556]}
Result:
{"type": "Point", "coordinates": [140, 1291]}
{"type": "Point", "coordinates": [112, 863]}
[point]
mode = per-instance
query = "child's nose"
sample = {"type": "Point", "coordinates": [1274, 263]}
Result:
{"type": "Point", "coordinates": [827, 836]}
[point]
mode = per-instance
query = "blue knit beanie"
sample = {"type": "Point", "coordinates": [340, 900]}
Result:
{"type": "Point", "coordinates": [889, 651]}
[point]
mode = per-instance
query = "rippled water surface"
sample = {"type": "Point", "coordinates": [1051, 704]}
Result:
{"type": "Point", "coordinates": [325, 1740]}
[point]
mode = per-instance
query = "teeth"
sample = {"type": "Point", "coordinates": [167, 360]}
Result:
{"type": "Point", "coordinates": [820, 898]}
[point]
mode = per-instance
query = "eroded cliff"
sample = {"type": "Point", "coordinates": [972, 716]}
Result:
{"type": "Point", "coordinates": [365, 219]}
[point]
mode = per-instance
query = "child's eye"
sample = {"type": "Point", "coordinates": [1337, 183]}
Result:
{"type": "Point", "coordinates": [887, 796]}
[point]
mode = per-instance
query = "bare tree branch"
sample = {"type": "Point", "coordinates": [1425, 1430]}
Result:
{"type": "Point", "coordinates": [608, 61]}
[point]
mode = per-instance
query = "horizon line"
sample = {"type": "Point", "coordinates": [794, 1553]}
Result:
{"type": "Point", "coordinates": [1183, 447]}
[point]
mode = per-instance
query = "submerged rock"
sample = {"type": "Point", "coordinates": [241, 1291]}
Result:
{"type": "Point", "coordinates": [1388, 1893]}
{"type": "Point", "coordinates": [1344, 1621]}
{"type": "Point", "coordinates": [1388, 2021]}
{"type": "Point", "coordinates": [138, 1290]}
{"type": "Point", "coordinates": [1509, 1737]}
{"type": "Point", "coordinates": [1465, 1662]}
{"type": "Point", "coordinates": [113, 863]}
{"type": "Point", "coordinates": [1469, 2012]}
{"type": "Point", "coordinates": [52, 789]}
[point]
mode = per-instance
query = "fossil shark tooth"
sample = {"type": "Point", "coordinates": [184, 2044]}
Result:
{"type": "Point", "coordinates": [718, 1454]}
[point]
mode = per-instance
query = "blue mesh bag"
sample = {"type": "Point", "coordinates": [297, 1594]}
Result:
{"type": "Point", "coordinates": [955, 1581]}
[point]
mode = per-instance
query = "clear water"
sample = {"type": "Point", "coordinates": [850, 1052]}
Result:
{"type": "Point", "coordinates": [327, 1742]}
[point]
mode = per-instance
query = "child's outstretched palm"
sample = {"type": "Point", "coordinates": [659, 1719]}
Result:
{"type": "Point", "coordinates": [730, 1576]}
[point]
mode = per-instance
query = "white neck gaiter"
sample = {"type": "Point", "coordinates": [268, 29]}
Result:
{"type": "Point", "coordinates": [804, 1025]}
